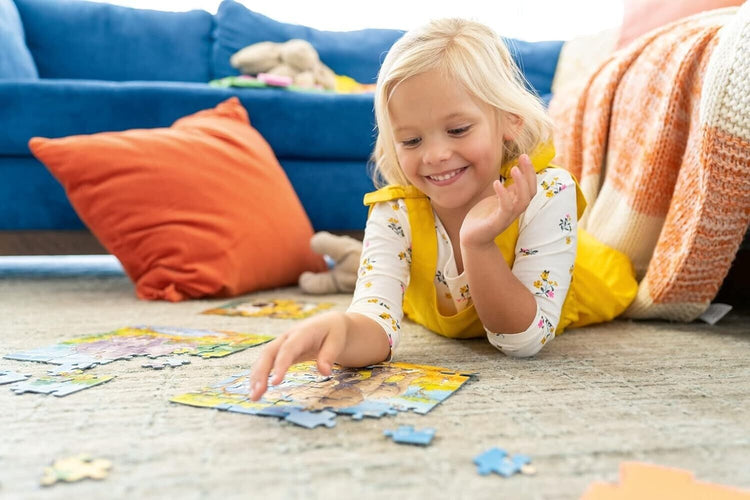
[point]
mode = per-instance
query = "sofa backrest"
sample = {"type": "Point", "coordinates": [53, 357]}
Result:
{"type": "Point", "coordinates": [16, 61]}
{"type": "Point", "coordinates": [357, 54]}
{"type": "Point", "coordinates": [537, 61]}
{"type": "Point", "coordinates": [86, 40]}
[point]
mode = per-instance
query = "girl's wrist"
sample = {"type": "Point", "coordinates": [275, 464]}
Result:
{"type": "Point", "coordinates": [473, 244]}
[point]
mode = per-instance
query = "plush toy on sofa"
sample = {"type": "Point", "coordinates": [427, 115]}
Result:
{"type": "Point", "coordinates": [345, 252]}
{"type": "Point", "coordinates": [295, 59]}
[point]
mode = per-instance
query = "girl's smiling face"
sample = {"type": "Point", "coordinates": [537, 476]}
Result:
{"type": "Point", "coordinates": [448, 143]}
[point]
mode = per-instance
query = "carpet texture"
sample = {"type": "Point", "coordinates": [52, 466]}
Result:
{"type": "Point", "coordinates": [667, 394]}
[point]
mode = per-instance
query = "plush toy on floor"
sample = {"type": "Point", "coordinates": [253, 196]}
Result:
{"type": "Point", "coordinates": [341, 278]}
{"type": "Point", "coordinates": [295, 59]}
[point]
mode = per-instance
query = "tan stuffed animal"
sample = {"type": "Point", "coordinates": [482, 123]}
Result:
{"type": "Point", "coordinates": [345, 252]}
{"type": "Point", "coordinates": [295, 58]}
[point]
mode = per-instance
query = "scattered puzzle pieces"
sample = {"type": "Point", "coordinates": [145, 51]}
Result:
{"type": "Point", "coordinates": [161, 363]}
{"type": "Point", "coordinates": [10, 377]}
{"type": "Point", "coordinates": [62, 384]}
{"type": "Point", "coordinates": [407, 435]}
{"type": "Point", "coordinates": [152, 341]}
{"type": "Point", "coordinates": [76, 468]}
{"type": "Point", "coordinates": [374, 391]}
{"type": "Point", "coordinates": [497, 460]}
{"type": "Point", "coordinates": [276, 308]}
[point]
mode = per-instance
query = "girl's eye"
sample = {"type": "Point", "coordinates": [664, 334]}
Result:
{"type": "Point", "coordinates": [459, 130]}
{"type": "Point", "coordinates": [411, 142]}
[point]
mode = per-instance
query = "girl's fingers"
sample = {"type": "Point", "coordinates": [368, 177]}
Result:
{"type": "Point", "coordinates": [504, 196]}
{"type": "Point", "coordinates": [262, 367]}
{"type": "Point", "coordinates": [288, 354]}
{"type": "Point", "coordinates": [332, 347]}
{"type": "Point", "coordinates": [519, 183]}
{"type": "Point", "coordinates": [529, 174]}
{"type": "Point", "coordinates": [498, 187]}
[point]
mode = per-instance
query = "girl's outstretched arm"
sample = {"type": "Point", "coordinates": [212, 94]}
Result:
{"type": "Point", "coordinates": [349, 339]}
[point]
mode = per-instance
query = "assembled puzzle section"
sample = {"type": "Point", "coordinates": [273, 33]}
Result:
{"type": "Point", "coordinates": [375, 391]}
{"type": "Point", "coordinates": [151, 341]}
{"type": "Point", "coordinates": [61, 384]}
{"type": "Point", "coordinates": [275, 308]}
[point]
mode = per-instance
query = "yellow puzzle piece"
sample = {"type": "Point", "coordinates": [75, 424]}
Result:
{"type": "Point", "coordinates": [75, 468]}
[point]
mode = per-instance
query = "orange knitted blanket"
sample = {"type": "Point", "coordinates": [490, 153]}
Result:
{"type": "Point", "coordinates": [659, 137]}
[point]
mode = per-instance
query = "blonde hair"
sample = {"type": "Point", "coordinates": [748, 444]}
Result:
{"type": "Point", "coordinates": [477, 59]}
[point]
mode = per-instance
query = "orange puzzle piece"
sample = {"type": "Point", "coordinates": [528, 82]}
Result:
{"type": "Point", "coordinates": [640, 481]}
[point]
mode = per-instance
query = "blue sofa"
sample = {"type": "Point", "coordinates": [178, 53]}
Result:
{"type": "Point", "coordinates": [75, 67]}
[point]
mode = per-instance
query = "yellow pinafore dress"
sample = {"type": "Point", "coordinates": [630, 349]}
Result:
{"type": "Point", "coordinates": [603, 282]}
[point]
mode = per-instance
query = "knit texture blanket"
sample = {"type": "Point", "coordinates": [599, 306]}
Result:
{"type": "Point", "coordinates": [659, 137]}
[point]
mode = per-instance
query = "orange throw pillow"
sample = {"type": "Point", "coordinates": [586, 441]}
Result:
{"type": "Point", "coordinates": [201, 208]}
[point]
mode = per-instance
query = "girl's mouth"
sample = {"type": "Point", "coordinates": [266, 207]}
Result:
{"type": "Point", "coordinates": [446, 177]}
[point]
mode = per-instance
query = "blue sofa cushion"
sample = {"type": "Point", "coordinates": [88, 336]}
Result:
{"type": "Point", "coordinates": [309, 125]}
{"type": "Point", "coordinates": [16, 61]}
{"type": "Point", "coordinates": [357, 54]}
{"type": "Point", "coordinates": [87, 40]}
{"type": "Point", "coordinates": [538, 61]}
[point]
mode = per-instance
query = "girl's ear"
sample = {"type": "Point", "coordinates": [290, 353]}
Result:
{"type": "Point", "coordinates": [511, 126]}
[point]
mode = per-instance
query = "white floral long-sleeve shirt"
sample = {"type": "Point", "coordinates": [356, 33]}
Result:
{"type": "Point", "coordinates": [544, 257]}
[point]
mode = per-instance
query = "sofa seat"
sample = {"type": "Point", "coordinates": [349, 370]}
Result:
{"type": "Point", "coordinates": [311, 125]}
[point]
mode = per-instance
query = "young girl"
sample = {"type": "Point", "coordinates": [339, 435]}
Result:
{"type": "Point", "coordinates": [471, 236]}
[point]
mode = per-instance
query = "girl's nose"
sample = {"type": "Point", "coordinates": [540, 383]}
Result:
{"type": "Point", "coordinates": [437, 153]}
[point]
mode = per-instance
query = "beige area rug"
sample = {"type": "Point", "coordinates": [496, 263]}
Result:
{"type": "Point", "coordinates": [668, 394]}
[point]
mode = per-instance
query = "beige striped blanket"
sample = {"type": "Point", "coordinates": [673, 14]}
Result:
{"type": "Point", "coordinates": [659, 137]}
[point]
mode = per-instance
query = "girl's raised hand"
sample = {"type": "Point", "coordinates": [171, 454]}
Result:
{"type": "Point", "coordinates": [492, 215]}
{"type": "Point", "coordinates": [322, 337]}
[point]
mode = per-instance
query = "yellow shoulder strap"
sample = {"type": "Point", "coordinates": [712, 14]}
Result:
{"type": "Point", "coordinates": [392, 192]}
{"type": "Point", "coordinates": [540, 159]}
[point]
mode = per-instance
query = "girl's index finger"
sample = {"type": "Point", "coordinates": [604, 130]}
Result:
{"type": "Point", "coordinates": [498, 186]}
{"type": "Point", "coordinates": [262, 368]}
{"type": "Point", "coordinates": [528, 172]}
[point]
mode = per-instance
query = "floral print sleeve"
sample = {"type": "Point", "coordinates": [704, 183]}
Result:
{"type": "Point", "coordinates": [384, 268]}
{"type": "Point", "coordinates": [545, 253]}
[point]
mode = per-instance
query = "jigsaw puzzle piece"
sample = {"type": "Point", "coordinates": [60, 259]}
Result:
{"type": "Point", "coordinates": [375, 409]}
{"type": "Point", "coordinates": [163, 362]}
{"type": "Point", "coordinates": [11, 377]}
{"type": "Point", "coordinates": [497, 460]}
{"type": "Point", "coordinates": [280, 411]}
{"type": "Point", "coordinates": [407, 435]}
{"type": "Point", "coordinates": [70, 368]}
{"type": "Point", "coordinates": [490, 460]}
{"type": "Point", "coordinates": [75, 468]}
{"type": "Point", "coordinates": [311, 419]}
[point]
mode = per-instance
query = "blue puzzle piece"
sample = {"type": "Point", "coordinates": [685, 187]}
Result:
{"type": "Point", "coordinates": [374, 409]}
{"type": "Point", "coordinates": [407, 435]}
{"type": "Point", "coordinates": [497, 460]}
{"type": "Point", "coordinates": [311, 419]}
{"type": "Point", "coordinates": [490, 460]}
{"type": "Point", "coordinates": [11, 377]}
{"type": "Point", "coordinates": [280, 411]}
